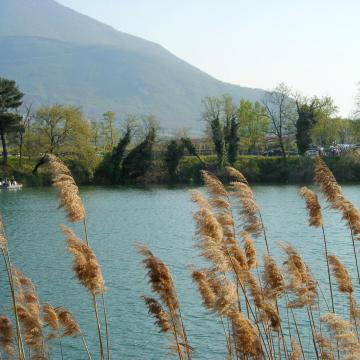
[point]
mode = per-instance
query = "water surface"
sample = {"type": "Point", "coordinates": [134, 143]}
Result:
{"type": "Point", "coordinates": [161, 218]}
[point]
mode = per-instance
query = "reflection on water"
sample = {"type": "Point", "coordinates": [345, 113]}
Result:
{"type": "Point", "coordinates": [161, 218]}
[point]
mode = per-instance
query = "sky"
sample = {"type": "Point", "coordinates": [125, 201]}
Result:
{"type": "Point", "coordinates": [311, 46]}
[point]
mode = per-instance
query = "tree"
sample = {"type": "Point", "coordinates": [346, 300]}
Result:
{"type": "Point", "coordinates": [96, 134]}
{"type": "Point", "coordinates": [139, 160]}
{"type": "Point", "coordinates": [191, 148]}
{"type": "Point", "coordinates": [212, 114]}
{"type": "Point", "coordinates": [173, 155]}
{"type": "Point", "coordinates": [23, 128]}
{"type": "Point", "coordinates": [281, 110]}
{"type": "Point", "coordinates": [221, 116]}
{"type": "Point", "coordinates": [309, 112]}
{"type": "Point", "coordinates": [10, 100]}
{"type": "Point", "coordinates": [253, 124]}
{"type": "Point", "coordinates": [63, 130]}
{"type": "Point", "coordinates": [109, 130]}
{"type": "Point", "coordinates": [110, 167]}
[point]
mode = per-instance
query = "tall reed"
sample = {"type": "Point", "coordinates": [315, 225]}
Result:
{"type": "Point", "coordinates": [334, 195]}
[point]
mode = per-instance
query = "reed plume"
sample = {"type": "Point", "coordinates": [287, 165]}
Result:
{"type": "Point", "coordinates": [198, 198]}
{"type": "Point", "coordinates": [333, 193]}
{"type": "Point", "coordinates": [226, 296]}
{"type": "Point", "coordinates": [28, 310]}
{"type": "Point", "coordinates": [211, 239]}
{"type": "Point", "coordinates": [313, 206]}
{"type": "Point", "coordinates": [85, 264]}
{"type": "Point", "coordinates": [6, 336]}
{"type": "Point", "coordinates": [316, 220]}
{"type": "Point", "coordinates": [246, 338]}
{"type": "Point", "coordinates": [341, 331]}
{"type": "Point", "coordinates": [250, 250]}
{"type": "Point", "coordinates": [213, 185]}
{"type": "Point", "coordinates": [52, 320]}
{"type": "Point", "coordinates": [274, 283]}
{"type": "Point", "coordinates": [161, 283]}
{"type": "Point", "coordinates": [302, 283]}
{"type": "Point", "coordinates": [68, 323]}
{"type": "Point", "coordinates": [236, 175]}
{"type": "Point", "coordinates": [205, 289]}
{"type": "Point", "coordinates": [327, 349]}
{"type": "Point", "coordinates": [341, 275]}
{"type": "Point", "coordinates": [268, 312]}
{"type": "Point", "coordinates": [68, 191]}
{"type": "Point", "coordinates": [327, 182]}
{"type": "Point", "coordinates": [249, 208]}
{"type": "Point", "coordinates": [155, 309]}
{"type": "Point", "coordinates": [160, 278]}
{"type": "Point", "coordinates": [345, 285]}
{"type": "Point", "coordinates": [296, 351]}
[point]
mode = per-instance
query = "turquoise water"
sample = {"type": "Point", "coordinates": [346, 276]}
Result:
{"type": "Point", "coordinates": [161, 218]}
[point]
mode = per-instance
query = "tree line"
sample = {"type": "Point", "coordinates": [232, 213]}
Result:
{"type": "Point", "coordinates": [282, 120]}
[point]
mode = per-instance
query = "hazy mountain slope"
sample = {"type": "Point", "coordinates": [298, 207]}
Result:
{"type": "Point", "coordinates": [58, 55]}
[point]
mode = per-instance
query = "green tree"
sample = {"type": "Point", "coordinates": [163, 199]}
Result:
{"type": "Point", "coordinates": [190, 147]}
{"type": "Point", "coordinates": [63, 130]}
{"type": "Point", "coordinates": [233, 141]}
{"type": "Point", "coordinates": [309, 112]}
{"type": "Point", "coordinates": [221, 116]}
{"type": "Point", "coordinates": [139, 160]}
{"type": "Point", "coordinates": [254, 125]}
{"type": "Point", "coordinates": [96, 134]}
{"type": "Point", "coordinates": [10, 100]}
{"type": "Point", "coordinates": [173, 155]}
{"type": "Point", "coordinates": [109, 130]}
{"type": "Point", "coordinates": [110, 167]}
{"type": "Point", "coordinates": [212, 115]}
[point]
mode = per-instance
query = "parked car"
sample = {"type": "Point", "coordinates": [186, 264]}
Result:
{"type": "Point", "coordinates": [312, 152]}
{"type": "Point", "coordinates": [272, 152]}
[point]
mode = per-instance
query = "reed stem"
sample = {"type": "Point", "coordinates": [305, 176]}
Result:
{"type": "Point", "coordinates": [106, 326]}
{"type": "Point", "coordinates": [8, 266]}
{"type": "Point", "coordinates": [98, 327]}
{"type": "Point", "coordinates": [86, 346]}
{"type": "Point", "coordinates": [328, 269]}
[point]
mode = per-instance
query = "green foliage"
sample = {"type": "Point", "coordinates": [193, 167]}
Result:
{"type": "Point", "coordinates": [10, 100]}
{"type": "Point", "coordinates": [139, 160]}
{"type": "Point", "coordinates": [174, 153]}
{"type": "Point", "coordinates": [109, 170]}
{"type": "Point", "coordinates": [310, 112]}
{"type": "Point", "coordinates": [109, 130]}
{"type": "Point", "coordinates": [233, 141]}
{"type": "Point", "coordinates": [254, 125]}
{"type": "Point", "coordinates": [222, 118]}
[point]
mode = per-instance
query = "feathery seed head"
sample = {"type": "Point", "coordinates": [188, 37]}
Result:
{"type": "Point", "coordinates": [341, 274]}
{"type": "Point", "coordinates": [155, 309]}
{"type": "Point", "coordinates": [6, 336]}
{"type": "Point", "coordinates": [313, 206]}
{"type": "Point", "coordinates": [67, 321]}
{"type": "Point", "coordinates": [85, 264]}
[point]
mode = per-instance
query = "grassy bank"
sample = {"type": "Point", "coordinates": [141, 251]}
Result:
{"type": "Point", "coordinates": [258, 169]}
{"type": "Point", "coordinates": [262, 169]}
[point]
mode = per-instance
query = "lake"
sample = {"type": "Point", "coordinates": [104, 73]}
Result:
{"type": "Point", "coordinates": [161, 218]}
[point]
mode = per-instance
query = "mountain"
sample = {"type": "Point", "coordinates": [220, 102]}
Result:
{"type": "Point", "coordinates": [60, 56]}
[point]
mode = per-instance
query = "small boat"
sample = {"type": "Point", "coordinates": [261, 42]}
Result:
{"type": "Point", "coordinates": [10, 185]}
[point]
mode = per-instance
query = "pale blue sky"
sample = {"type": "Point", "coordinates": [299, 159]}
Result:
{"type": "Point", "coordinates": [312, 46]}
